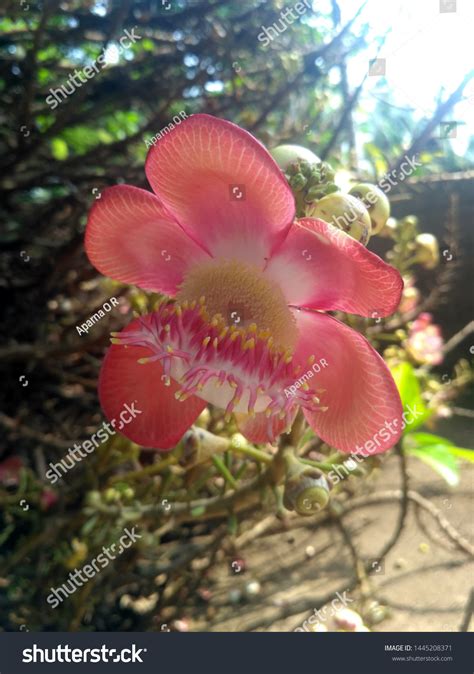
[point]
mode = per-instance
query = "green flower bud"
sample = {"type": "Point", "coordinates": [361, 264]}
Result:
{"type": "Point", "coordinates": [111, 495]}
{"type": "Point", "coordinates": [284, 155]}
{"type": "Point", "coordinates": [298, 182]}
{"type": "Point", "coordinates": [94, 499]}
{"type": "Point", "coordinates": [315, 176]}
{"type": "Point", "coordinates": [327, 172]}
{"type": "Point", "coordinates": [376, 203]}
{"type": "Point", "coordinates": [306, 490]}
{"type": "Point", "coordinates": [315, 193]}
{"type": "Point", "coordinates": [344, 212]}
{"type": "Point", "coordinates": [410, 220]}
{"type": "Point", "coordinates": [427, 251]}
{"type": "Point", "coordinates": [319, 191]}
{"type": "Point", "coordinates": [389, 230]}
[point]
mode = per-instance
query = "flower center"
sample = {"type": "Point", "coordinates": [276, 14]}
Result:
{"type": "Point", "coordinates": [243, 297]}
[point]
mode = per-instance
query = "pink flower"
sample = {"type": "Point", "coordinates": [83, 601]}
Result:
{"type": "Point", "coordinates": [249, 285]}
{"type": "Point", "coordinates": [425, 342]}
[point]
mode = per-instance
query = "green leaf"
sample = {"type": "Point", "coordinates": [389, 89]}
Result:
{"type": "Point", "coordinates": [415, 410]}
{"type": "Point", "coordinates": [428, 439]}
{"type": "Point", "coordinates": [59, 149]}
{"type": "Point", "coordinates": [435, 452]}
{"type": "Point", "coordinates": [463, 453]}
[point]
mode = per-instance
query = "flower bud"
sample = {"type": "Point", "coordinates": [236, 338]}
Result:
{"type": "Point", "coordinates": [317, 192]}
{"type": "Point", "coordinates": [327, 172]}
{"type": "Point", "coordinates": [306, 490]}
{"type": "Point", "coordinates": [284, 155]}
{"type": "Point", "coordinates": [410, 221]}
{"type": "Point", "coordinates": [94, 499]}
{"type": "Point", "coordinates": [345, 212]}
{"type": "Point", "coordinates": [389, 230]}
{"type": "Point", "coordinates": [348, 620]}
{"type": "Point", "coordinates": [427, 251]}
{"type": "Point", "coordinates": [376, 203]}
{"type": "Point", "coordinates": [111, 495]}
{"type": "Point", "coordinates": [298, 182]}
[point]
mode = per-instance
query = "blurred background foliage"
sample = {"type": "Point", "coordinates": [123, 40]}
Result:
{"type": "Point", "coordinates": [192, 56]}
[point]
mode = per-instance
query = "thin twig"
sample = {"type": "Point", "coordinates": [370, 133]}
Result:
{"type": "Point", "coordinates": [468, 611]}
{"type": "Point", "coordinates": [396, 495]}
{"type": "Point", "coordinates": [404, 506]}
{"type": "Point", "coordinates": [458, 337]}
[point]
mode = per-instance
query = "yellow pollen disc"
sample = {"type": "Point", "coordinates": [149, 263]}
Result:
{"type": "Point", "coordinates": [244, 298]}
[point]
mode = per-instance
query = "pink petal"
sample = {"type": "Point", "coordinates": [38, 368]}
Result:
{"type": "Point", "coordinates": [318, 266]}
{"type": "Point", "coordinates": [200, 169]}
{"type": "Point", "coordinates": [364, 408]}
{"type": "Point", "coordinates": [131, 238]}
{"type": "Point", "coordinates": [123, 381]}
{"type": "Point", "coordinates": [260, 429]}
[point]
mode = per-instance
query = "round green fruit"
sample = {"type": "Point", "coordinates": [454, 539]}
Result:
{"type": "Point", "coordinates": [345, 212]}
{"type": "Point", "coordinates": [284, 155]}
{"type": "Point", "coordinates": [376, 203]}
